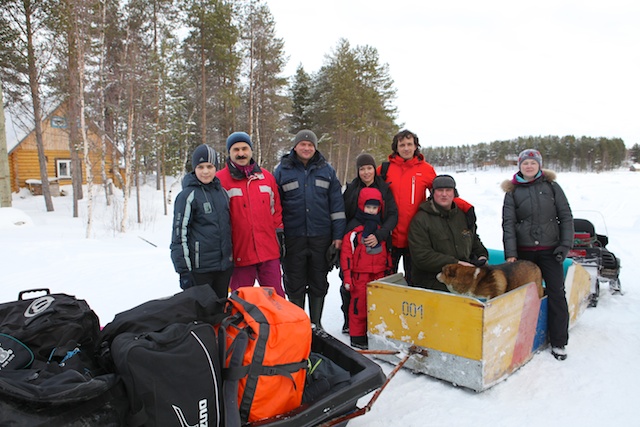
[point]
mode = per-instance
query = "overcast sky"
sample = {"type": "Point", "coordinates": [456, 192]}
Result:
{"type": "Point", "coordinates": [470, 71]}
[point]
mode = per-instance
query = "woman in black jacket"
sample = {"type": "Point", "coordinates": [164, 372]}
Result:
{"type": "Point", "coordinates": [537, 225]}
{"type": "Point", "coordinates": [367, 177]}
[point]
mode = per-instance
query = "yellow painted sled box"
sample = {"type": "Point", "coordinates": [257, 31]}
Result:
{"type": "Point", "coordinates": [471, 343]}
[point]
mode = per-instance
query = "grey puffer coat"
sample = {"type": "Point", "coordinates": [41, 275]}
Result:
{"type": "Point", "coordinates": [535, 215]}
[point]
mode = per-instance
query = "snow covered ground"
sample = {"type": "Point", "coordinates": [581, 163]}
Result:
{"type": "Point", "coordinates": [595, 386]}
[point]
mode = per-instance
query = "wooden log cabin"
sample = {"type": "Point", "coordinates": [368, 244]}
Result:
{"type": "Point", "coordinates": [24, 169]}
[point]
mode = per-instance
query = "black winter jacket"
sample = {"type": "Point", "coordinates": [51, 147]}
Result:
{"type": "Point", "coordinates": [201, 238]}
{"type": "Point", "coordinates": [389, 213]}
{"type": "Point", "coordinates": [535, 215]}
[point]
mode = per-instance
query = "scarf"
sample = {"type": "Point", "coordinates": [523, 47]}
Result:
{"type": "Point", "coordinates": [371, 223]}
{"type": "Point", "coordinates": [519, 179]}
{"type": "Point", "coordinates": [246, 170]}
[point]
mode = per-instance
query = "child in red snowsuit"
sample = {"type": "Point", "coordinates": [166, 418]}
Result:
{"type": "Point", "coordinates": [363, 262]}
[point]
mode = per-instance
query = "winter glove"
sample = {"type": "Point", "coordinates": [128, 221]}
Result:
{"type": "Point", "coordinates": [333, 257]}
{"type": "Point", "coordinates": [478, 261]}
{"type": "Point", "coordinates": [561, 253]}
{"type": "Point", "coordinates": [347, 286]}
{"type": "Point", "coordinates": [283, 248]}
{"type": "Point", "coordinates": [187, 280]}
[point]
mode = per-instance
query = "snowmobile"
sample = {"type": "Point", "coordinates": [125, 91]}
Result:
{"type": "Point", "coordinates": [590, 250]}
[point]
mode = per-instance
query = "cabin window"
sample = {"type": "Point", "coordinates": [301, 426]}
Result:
{"type": "Point", "coordinates": [58, 122]}
{"type": "Point", "coordinates": [63, 168]}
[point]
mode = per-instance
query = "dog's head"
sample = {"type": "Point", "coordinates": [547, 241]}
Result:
{"type": "Point", "coordinates": [460, 279]}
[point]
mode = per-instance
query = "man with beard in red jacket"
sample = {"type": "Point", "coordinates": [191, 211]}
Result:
{"type": "Point", "coordinates": [256, 217]}
{"type": "Point", "coordinates": [409, 177]}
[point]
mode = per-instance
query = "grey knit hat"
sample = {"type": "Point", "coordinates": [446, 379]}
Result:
{"type": "Point", "coordinates": [306, 135]}
{"type": "Point", "coordinates": [203, 154]}
{"type": "Point", "coordinates": [530, 153]}
{"type": "Point", "coordinates": [444, 181]}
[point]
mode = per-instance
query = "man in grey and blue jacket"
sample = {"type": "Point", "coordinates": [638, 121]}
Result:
{"type": "Point", "coordinates": [314, 219]}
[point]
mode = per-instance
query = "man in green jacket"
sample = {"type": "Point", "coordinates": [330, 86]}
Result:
{"type": "Point", "coordinates": [440, 234]}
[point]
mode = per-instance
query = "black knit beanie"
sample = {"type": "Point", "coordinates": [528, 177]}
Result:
{"type": "Point", "coordinates": [203, 154]}
{"type": "Point", "coordinates": [365, 159]}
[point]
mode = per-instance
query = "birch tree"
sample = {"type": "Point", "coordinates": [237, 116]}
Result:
{"type": "Point", "coordinates": [267, 100]}
{"type": "Point", "coordinates": [5, 185]}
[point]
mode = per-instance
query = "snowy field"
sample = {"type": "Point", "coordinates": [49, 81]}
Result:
{"type": "Point", "coordinates": [595, 386]}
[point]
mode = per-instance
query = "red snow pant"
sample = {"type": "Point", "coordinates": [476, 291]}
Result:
{"type": "Point", "coordinates": [358, 305]}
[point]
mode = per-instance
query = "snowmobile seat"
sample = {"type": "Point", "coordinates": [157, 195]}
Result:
{"type": "Point", "coordinates": [590, 247]}
{"type": "Point", "coordinates": [584, 234]}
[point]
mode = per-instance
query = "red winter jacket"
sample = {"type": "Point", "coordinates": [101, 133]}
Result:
{"type": "Point", "coordinates": [409, 181]}
{"type": "Point", "coordinates": [353, 254]}
{"type": "Point", "coordinates": [256, 214]}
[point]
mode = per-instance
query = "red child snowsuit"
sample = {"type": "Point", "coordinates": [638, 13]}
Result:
{"type": "Point", "coordinates": [360, 266]}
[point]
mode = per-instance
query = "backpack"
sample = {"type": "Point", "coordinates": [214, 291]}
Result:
{"type": "Point", "coordinates": [49, 321]}
{"type": "Point", "coordinates": [48, 373]}
{"type": "Point", "coordinates": [266, 341]}
{"type": "Point", "coordinates": [323, 376]}
{"type": "Point", "coordinates": [172, 377]}
{"type": "Point", "coordinates": [384, 168]}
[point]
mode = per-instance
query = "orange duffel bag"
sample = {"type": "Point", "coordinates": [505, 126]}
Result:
{"type": "Point", "coordinates": [267, 341]}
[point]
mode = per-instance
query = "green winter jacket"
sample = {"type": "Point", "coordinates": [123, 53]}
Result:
{"type": "Point", "coordinates": [436, 238]}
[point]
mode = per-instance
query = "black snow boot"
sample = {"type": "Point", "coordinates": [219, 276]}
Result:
{"type": "Point", "coordinates": [299, 301]}
{"type": "Point", "coordinates": [346, 301]}
{"type": "Point", "coordinates": [315, 310]}
{"type": "Point", "coordinates": [361, 342]}
{"type": "Point", "coordinates": [559, 352]}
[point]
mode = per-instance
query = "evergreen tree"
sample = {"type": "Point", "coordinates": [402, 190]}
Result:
{"type": "Point", "coordinates": [211, 55]}
{"type": "Point", "coordinates": [634, 153]}
{"type": "Point", "coordinates": [301, 116]}
{"type": "Point", "coordinates": [352, 106]}
{"type": "Point", "coordinates": [266, 101]}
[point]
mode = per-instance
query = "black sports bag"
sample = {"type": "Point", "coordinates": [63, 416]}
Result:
{"type": "Point", "coordinates": [48, 374]}
{"type": "Point", "coordinates": [172, 377]}
{"type": "Point", "coordinates": [198, 303]}
{"type": "Point", "coordinates": [46, 322]}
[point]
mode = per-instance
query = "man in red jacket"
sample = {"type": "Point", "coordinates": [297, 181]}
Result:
{"type": "Point", "coordinates": [256, 217]}
{"type": "Point", "coordinates": [409, 177]}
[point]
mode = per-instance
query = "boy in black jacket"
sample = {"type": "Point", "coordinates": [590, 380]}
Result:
{"type": "Point", "coordinates": [201, 240]}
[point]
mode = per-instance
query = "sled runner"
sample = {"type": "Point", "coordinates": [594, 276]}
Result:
{"type": "Point", "coordinates": [471, 343]}
{"type": "Point", "coordinates": [590, 251]}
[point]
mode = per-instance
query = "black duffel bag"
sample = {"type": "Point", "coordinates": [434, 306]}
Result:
{"type": "Point", "coordinates": [198, 303]}
{"type": "Point", "coordinates": [172, 377]}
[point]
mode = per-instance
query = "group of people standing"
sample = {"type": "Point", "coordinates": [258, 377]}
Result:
{"type": "Point", "coordinates": [244, 224]}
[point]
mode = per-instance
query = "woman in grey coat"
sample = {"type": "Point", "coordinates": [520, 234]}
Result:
{"type": "Point", "coordinates": [537, 225]}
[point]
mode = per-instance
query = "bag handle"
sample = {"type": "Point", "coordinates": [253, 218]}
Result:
{"type": "Point", "coordinates": [29, 291]}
